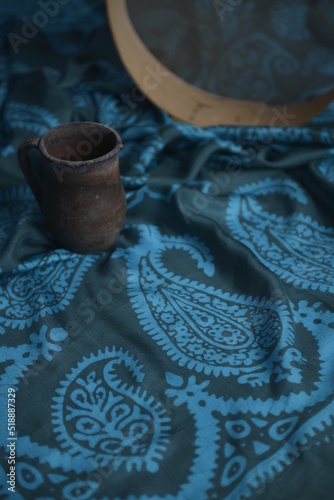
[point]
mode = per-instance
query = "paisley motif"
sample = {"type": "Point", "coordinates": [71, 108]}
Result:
{"type": "Point", "coordinates": [290, 21]}
{"type": "Point", "coordinates": [28, 476]}
{"type": "Point", "coordinates": [249, 442]}
{"type": "Point", "coordinates": [24, 362]}
{"type": "Point", "coordinates": [248, 379]}
{"type": "Point", "coordinates": [295, 247]}
{"type": "Point", "coordinates": [66, 18]}
{"type": "Point", "coordinates": [249, 69]}
{"type": "Point", "coordinates": [30, 117]}
{"type": "Point", "coordinates": [43, 284]}
{"type": "Point", "coordinates": [326, 168]}
{"type": "Point", "coordinates": [201, 327]}
{"type": "Point", "coordinates": [99, 415]}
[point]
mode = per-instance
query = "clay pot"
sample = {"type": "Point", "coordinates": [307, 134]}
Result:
{"type": "Point", "coordinates": [81, 194]}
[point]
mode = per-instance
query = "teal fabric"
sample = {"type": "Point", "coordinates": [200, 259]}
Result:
{"type": "Point", "coordinates": [195, 358]}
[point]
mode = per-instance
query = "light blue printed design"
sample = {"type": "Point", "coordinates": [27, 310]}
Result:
{"type": "Point", "coordinates": [7, 150]}
{"type": "Point", "coordinates": [201, 327]}
{"type": "Point", "coordinates": [41, 285]}
{"type": "Point", "coordinates": [202, 471]}
{"type": "Point", "coordinates": [74, 20]}
{"type": "Point", "coordinates": [226, 429]}
{"type": "Point", "coordinates": [325, 119]}
{"type": "Point", "coordinates": [278, 431]}
{"type": "Point", "coordinates": [19, 361]}
{"type": "Point", "coordinates": [28, 476]}
{"type": "Point", "coordinates": [290, 21]}
{"type": "Point", "coordinates": [72, 491]}
{"type": "Point", "coordinates": [295, 247]}
{"type": "Point", "coordinates": [22, 364]}
{"type": "Point", "coordinates": [62, 21]}
{"type": "Point", "coordinates": [18, 365]}
{"type": "Point", "coordinates": [82, 97]}
{"type": "Point", "coordinates": [326, 168]}
{"type": "Point", "coordinates": [100, 417]}
{"type": "Point", "coordinates": [30, 117]}
{"type": "Point", "coordinates": [276, 442]}
{"type": "Point", "coordinates": [243, 75]}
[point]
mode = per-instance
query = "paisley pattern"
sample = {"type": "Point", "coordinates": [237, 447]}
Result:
{"type": "Point", "coordinates": [43, 284]}
{"type": "Point", "coordinates": [98, 414]}
{"type": "Point", "coordinates": [268, 60]}
{"type": "Point", "coordinates": [290, 21]}
{"type": "Point", "coordinates": [20, 361]}
{"type": "Point", "coordinates": [33, 118]}
{"type": "Point", "coordinates": [194, 358]}
{"type": "Point", "coordinates": [103, 421]}
{"type": "Point", "coordinates": [277, 434]}
{"type": "Point", "coordinates": [294, 246]}
{"type": "Point", "coordinates": [54, 19]}
{"type": "Point", "coordinates": [326, 168]}
{"type": "Point", "coordinates": [244, 50]}
{"type": "Point", "coordinates": [201, 327]}
{"type": "Point", "coordinates": [40, 285]}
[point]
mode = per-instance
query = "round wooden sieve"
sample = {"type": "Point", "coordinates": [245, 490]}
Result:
{"type": "Point", "coordinates": [191, 104]}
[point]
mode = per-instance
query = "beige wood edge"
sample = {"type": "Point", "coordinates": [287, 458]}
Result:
{"type": "Point", "coordinates": [188, 103]}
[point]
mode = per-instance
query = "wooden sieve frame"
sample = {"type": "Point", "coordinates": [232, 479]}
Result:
{"type": "Point", "coordinates": [185, 102]}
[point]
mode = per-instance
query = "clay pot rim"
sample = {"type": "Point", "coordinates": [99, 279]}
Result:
{"type": "Point", "coordinates": [84, 163]}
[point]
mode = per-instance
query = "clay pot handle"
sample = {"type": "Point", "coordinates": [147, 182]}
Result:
{"type": "Point", "coordinates": [26, 167]}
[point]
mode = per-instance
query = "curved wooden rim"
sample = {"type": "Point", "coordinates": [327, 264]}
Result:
{"type": "Point", "coordinates": [188, 103]}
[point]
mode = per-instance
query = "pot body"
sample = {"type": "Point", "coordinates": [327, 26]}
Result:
{"type": "Point", "coordinates": [81, 195]}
